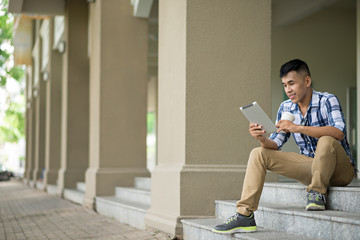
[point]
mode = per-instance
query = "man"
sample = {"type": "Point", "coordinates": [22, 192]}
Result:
{"type": "Point", "coordinates": [319, 131]}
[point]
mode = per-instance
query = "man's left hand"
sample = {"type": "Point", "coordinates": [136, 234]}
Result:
{"type": "Point", "coordinates": [286, 126]}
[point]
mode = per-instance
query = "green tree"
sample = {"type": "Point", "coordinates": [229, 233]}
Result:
{"type": "Point", "coordinates": [12, 104]}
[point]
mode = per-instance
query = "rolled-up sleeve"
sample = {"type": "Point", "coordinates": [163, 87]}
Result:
{"type": "Point", "coordinates": [335, 115]}
{"type": "Point", "coordinates": [279, 138]}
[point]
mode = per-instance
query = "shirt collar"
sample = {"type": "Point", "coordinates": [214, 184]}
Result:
{"type": "Point", "coordinates": [313, 103]}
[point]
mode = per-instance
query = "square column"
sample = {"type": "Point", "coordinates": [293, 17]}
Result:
{"type": "Point", "coordinates": [53, 115]}
{"type": "Point", "coordinates": [28, 132]}
{"type": "Point", "coordinates": [214, 56]}
{"type": "Point", "coordinates": [75, 97]}
{"type": "Point", "coordinates": [32, 123]}
{"type": "Point", "coordinates": [28, 170]}
{"type": "Point", "coordinates": [39, 113]}
{"type": "Point", "coordinates": [118, 90]}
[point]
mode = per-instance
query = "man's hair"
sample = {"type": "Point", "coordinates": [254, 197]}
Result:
{"type": "Point", "coordinates": [296, 65]}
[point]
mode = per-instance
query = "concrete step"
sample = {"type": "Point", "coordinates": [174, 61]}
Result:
{"type": "Point", "coordinates": [133, 195]}
{"type": "Point", "coordinates": [295, 195]}
{"type": "Point", "coordinates": [128, 212]}
{"type": "Point", "coordinates": [40, 185]}
{"type": "Point", "coordinates": [322, 224]}
{"type": "Point", "coordinates": [81, 186]}
{"type": "Point", "coordinates": [143, 183]}
{"type": "Point", "coordinates": [51, 189]}
{"type": "Point", "coordinates": [200, 229]}
{"type": "Point", "coordinates": [74, 195]}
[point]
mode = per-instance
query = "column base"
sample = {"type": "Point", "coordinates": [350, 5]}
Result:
{"type": "Point", "coordinates": [189, 191]}
{"type": "Point", "coordinates": [67, 178]}
{"type": "Point", "coordinates": [51, 176]}
{"type": "Point", "coordinates": [36, 174]}
{"type": "Point", "coordinates": [102, 181]}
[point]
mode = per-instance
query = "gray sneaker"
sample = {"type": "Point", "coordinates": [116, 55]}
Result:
{"type": "Point", "coordinates": [315, 201]}
{"type": "Point", "coordinates": [237, 223]}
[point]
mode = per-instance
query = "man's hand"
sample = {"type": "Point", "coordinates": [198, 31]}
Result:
{"type": "Point", "coordinates": [258, 133]}
{"type": "Point", "coordinates": [287, 126]}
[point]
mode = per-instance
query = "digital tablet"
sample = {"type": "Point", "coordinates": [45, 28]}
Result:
{"type": "Point", "coordinates": [254, 113]}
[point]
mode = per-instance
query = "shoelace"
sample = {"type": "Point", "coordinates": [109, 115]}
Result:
{"type": "Point", "coordinates": [316, 195]}
{"type": "Point", "coordinates": [230, 219]}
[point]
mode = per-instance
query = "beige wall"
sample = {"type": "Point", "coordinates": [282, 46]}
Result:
{"type": "Point", "coordinates": [326, 40]}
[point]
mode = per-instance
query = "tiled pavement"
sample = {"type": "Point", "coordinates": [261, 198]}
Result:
{"type": "Point", "coordinates": [27, 213]}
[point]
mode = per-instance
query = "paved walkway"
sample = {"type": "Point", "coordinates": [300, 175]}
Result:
{"type": "Point", "coordinates": [27, 213]}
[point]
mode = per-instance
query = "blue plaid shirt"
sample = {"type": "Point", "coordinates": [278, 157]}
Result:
{"type": "Point", "coordinates": [324, 110]}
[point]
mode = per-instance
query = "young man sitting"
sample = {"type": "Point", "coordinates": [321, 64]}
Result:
{"type": "Point", "coordinates": [319, 131]}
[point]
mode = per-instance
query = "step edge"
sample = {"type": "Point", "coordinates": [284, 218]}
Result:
{"type": "Point", "coordinates": [121, 202]}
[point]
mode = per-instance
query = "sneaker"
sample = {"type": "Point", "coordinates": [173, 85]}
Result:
{"type": "Point", "coordinates": [237, 223]}
{"type": "Point", "coordinates": [315, 201]}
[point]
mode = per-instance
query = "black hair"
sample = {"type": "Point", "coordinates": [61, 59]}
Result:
{"type": "Point", "coordinates": [296, 65]}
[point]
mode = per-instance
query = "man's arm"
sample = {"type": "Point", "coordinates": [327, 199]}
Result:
{"type": "Point", "coordinates": [258, 133]}
{"type": "Point", "coordinates": [317, 132]}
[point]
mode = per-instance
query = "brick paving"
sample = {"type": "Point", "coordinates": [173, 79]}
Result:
{"type": "Point", "coordinates": [27, 213]}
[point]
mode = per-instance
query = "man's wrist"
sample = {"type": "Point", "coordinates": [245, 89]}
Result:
{"type": "Point", "coordinates": [263, 139]}
{"type": "Point", "coordinates": [300, 129]}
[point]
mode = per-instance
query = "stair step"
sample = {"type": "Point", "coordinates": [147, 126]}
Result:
{"type": "Point", "coordinates": [40, 185]}
{"type": "Point", "coordinates": [74, 195]}
{"type": "Point", "coordinates": [81, 186]}
{"type": "Point", "coordinates": [128, 212]}
{"type": "Point", "coordinates": [133, 194]}
{"type": "Point", "coordinates": [143, 183]}
{"type": "Point", "coordinates": [295, 195]}
{"type": "Point", "coordinates": [200, 229]}
{"type": "Point", "coordinates": [51, 189]}
{"type": "Point", "coordinates": [322, 224]}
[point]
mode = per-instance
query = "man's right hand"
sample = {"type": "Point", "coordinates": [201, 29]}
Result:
{"type": "Point", "coordinates": [257, 132]}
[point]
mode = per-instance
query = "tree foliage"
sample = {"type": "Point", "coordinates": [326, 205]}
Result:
{"type": "Point", "coordinates": [12, 127]}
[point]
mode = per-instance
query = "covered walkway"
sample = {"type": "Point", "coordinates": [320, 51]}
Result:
{"type": "Point", "coordinates": [27, 213]}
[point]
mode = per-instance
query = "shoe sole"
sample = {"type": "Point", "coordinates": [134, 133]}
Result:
{"type": "Point", "coordinates": [315, 207]}
{"type": "Point", "coordinates": [237, 230]}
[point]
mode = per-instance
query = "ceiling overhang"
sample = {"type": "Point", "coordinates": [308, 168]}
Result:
{"type": "Point", "coordinates": [37, 7]}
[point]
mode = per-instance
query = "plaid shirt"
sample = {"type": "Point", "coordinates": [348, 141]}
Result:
{"type": "Point", "coordinates": [324, 110]}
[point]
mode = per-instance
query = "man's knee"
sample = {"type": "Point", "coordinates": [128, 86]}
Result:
{"type": "Point", "coordinates": [327, 141]}
{"type": "Point", "coordinates": [257, 154]}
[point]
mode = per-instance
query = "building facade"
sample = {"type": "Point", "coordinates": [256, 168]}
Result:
{"type": "Point", "coordinates": [96, 68]}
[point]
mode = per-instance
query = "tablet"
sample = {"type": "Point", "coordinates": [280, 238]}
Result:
{"type": "Point", "coordinates": [254, 113]}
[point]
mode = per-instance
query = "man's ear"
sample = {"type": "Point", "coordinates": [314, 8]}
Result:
{"type": "Point", "coordinates": [308, 81]}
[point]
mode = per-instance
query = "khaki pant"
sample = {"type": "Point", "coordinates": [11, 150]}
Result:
{"type": "Point", "coordinates": [329, 167]}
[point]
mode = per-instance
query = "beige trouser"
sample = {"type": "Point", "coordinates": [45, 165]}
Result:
{"type": "Point", "coordinates": [329, 167]}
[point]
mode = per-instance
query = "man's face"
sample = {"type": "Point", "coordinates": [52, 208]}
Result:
{"type": "Point", "coordinates": [296, 85]}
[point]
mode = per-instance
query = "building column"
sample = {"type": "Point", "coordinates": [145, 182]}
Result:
{"type": "Point", "coordinates": [39, 112]}
{"type": "Point", "coordinates": [29, 143]}
{"type": "Point", "coordinates": [75, 97]}
{"type": "Point", "coordinates": [28, 112]}
{"type": "Point", "coordinates": [32, 116]}
{"type": "Point", "coordinates": [118, 90]}
{"type": "Point", "coordinates": [53, 115]}
{"type": "Point", "coordinates": [214, 57]}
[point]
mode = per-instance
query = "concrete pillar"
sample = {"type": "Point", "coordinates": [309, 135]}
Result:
{"type": "Point", "coordinates": [118, 87]}
{"type": "Point", "coordinates": [40, 132]}
{"type": "Point", "coordinates": [75, 97]}
{"type": "Point", "coordinates": [28, 129]}
{"type": "Point", "coordinates": [32, 136]}
{"type": "Point", "coordinates": [39, 105]}
{"type": "Point", "coordinates": [53, 115]}
{"type": "Point", "coordinates": [28, 170]}
{"type": "Point", "coordinates": [214, 56]}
